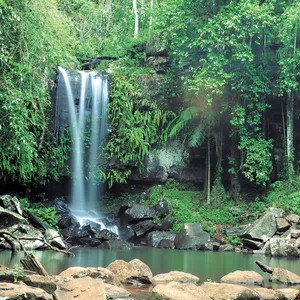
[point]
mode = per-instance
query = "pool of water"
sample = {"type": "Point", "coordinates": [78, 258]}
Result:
{"type": "Point", "coordinates": [206, 265]}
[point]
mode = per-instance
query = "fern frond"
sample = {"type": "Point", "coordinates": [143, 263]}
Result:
{"type": "Point", "coordinates": [198, 136]}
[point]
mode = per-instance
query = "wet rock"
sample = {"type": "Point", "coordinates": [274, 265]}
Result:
{"type": "Point", "coordinates": [116, 244]}
{"type": "Point", "coordinates": [137, 212]}
{"type": "Point", "coordinates": [211, 246]}
{"type": "Point", "coordinates": [143, 227]}
{"type": "Point", "coordinates": [224, 291]}
{"type": "Point", "coordinates": [126, 233]}
{"type": "Point", "coordinates": [178, 291]}
{"type": "Point", "coordinates": [175, 276]}
{"type": "Point", "coordinates": [68, 221]}
{"type": "Point", "coordinates": [265, 227]}
{"type": "Point", "coordinates": [284, 276]}
{"type": "Point", "coordinates": [22, 292]}
{"type": "Point", "coordinates": [236, 231]}
{"type": "Point", "coordinates": [134, 272]}
{"type": "Point", "coordinates": [243, 277]}
{"type": "Point", "coordinates": [252, 244]}
{"type": "Point", "coordinates": [89, 241]}
{"type": "Point", "coordinates": [282, 224]}
{"type": "Point", "coordinates": [167, 223]}
{"type": "Point", "coordinates": [100, 273]}
{"type": "Point", "coordinates": [9, 218]}
{"type": "Point", "coordinates": [162, 208]}
{"type": "Point", "coordinates": [11, 203]}
{"type": "Point", "coordinates": [154, 237]}
{"type": "Point", "coordinates": [105, 234]}
{"type": "Point", "coordinates": [166, 244]}
{"type": "Point", "coordinates": [284, 247]}
{"type": "Point", "coordinates": [61, 207]}
{"type": "Point", "coordinates": [191, 236]}
{"type": "Point", "coordinates": [54, 239]}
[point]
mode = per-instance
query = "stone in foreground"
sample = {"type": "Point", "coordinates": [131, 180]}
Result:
{"type": "Point", "coordinates": [135, 272]}
{"type": "Point", "coordinates": [174, 276]}
{"type": "Point", "coordinates": [22, 292]}
{"type": "Point", "coordinates": [178, 291]}
{"type": "Point", "coordinates": [243, 277]}
{"type": "Point", "coordinates": [284, 276]}
{"type": "Point", "coordinates": [224, 291]}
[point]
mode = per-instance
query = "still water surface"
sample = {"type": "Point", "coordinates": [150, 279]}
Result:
{"type": "Point", "coordinates": [206, 265]}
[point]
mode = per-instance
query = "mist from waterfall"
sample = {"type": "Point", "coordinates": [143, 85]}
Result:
{"type": "Point", "coordinates": [82, 101]}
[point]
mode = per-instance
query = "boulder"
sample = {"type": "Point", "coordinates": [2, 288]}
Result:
{"type": "Point", "coordinates": [265, 227]}
{"type": "Point", "coordinates": [22, 292]}
{"type": "Point", "coordinates": [284, 247]}
{"type": "Point", "coordinates": [282, 224]}
{"type": "Point", "coordinates": [167, 223]}
{"type": "Point", "coordinates": [295, 233]}
{"type": "Point", "coordinates": [154, 237]}
{"type": "Point", "coordinates": [175, 276]}
{"type": "Point", "coordinates": [243, 277]}
{"type": "Point", "coordinates": [211, 246]}
{"type": "Point", "coordinates": [142, 227]}
{"type": "Point", "coordinates": [30, 237]}
{"type": "Point", "coordinates": [293, 218]}
{"type": "Point", "coordinates": [137, 212]}
{"type": "Point", "coordinates": [100, 273]}
{"type": "Point", "coordinates": [47, 283]}
{"type": "Point", "coordinates": [61, 207]}
{"type": "Point", "coordinates": [89, 241]}
{"type": "Point", "coordinates": [252, 244]}
{"type": "Point", "coordinates": [105, 235]}
{"type": "Point", "coordinates": [284, 276]}
{"type": "Point", "coordinates": [224, 291]}
{"type": "Point", "coordinates": [287, 294]}
{"type": "Point", "coordinates": [162, 208]}
{"type": "Point", "coordinates": [9, 218]}
{"type": "Point", "coordinates": [191, 236]}
{"type": "Point", "coordinates": [126, 233]}
{"type": "Point", "coordinates": [54, 239]}
{"type": "Point", "coordinates": [68, 222]}
{"type": "Point", "coordinates": [178, 291]}
{"type": "Point", "coordinates": [133, 272]}
{"type": "Point", "coordinates": [117, 245]}
{"type": "Point", "coordinates": [236, 231]}
{"type": "Point", "coordinates": [115, 292]}
{"type": "Point", "coordinates": [11, 203]}
{"type": "Point", "coordinates": [81, 289]}
{"type": "Point", "coordinates": [226, 247]}
{"type": "Point", "coordinates": [166, 244]}
{"type": "Point", "coordinates": [265, 294]}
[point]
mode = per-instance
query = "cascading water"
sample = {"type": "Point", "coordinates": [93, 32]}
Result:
{"type": "Point", "coordinates": [82, 100]}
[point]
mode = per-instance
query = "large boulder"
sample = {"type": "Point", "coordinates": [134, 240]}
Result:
{"type": "Point", "coordinates": [162, 208]}
{"type": "Point", "coordinates": [284, 247]}
{"type": "Point", "coordinates": [61, 207]}
{"type": "Point", "coordinates": [54, 239]}
{"type": "Point", "coordinates": [137, 212]}
{"type": "Point", "coordinates": [154, 237]}
{"type": "Point", "coordinates": [11, 203]}
{"type": "Point", "coordinates": [9, 218]}
{"type": "Point", "coordinates": [284, 276]}
{"type": "Point", "coordinates": [81, 289]}
{"type": "Point", "coordinates": [225, 291]}
{"type": "Point", "coordinates": [115, 292]}
{"type": "Point", "coordinates": [243, 277]}
{"type": "Point", "coordinates": [191, 236]}
{"type": "Point", "coordinates": [265, 227]}
{"type": "Point", "coordinates": [178, 291]}
{"type": "Point", "coordinates": [133, 272]}
{"type": "Point", "coordinates": [173, 276]}
{"type": "Point", "coordinates": [100, 273]}
{"type": "Point", "coordinates": [287, 294]}
{"type": "Point", "coordinates": [126, 233]}
{"type": "Point", "coordinates": [22, 292]}
{"type": "Point", "coordinates": [293, 218]}
{"type": "Point", "coordinates": [282, 225]}
{"type": "Point", "coordinates": [116, 244]}
{"type": "Point", "coordinates": [142, 227]}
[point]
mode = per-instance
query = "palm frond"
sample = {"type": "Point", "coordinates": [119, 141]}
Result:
{"type": "Point", "coordinates": [197, 136]}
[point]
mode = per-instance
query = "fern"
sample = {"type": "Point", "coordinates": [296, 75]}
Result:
{"type": "Point", "coordinates": [198, 136]}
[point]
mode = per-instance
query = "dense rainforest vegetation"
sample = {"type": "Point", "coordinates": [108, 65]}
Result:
{"type": "Point", "coordinates": [231, 89]}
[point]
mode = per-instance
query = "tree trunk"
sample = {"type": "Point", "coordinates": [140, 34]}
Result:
{"type": "Point", "coordinates": [151, 14]}
{"type": "Point", "coordinates": [290, 136]}
{"type": "Point", "coordinates": [136, 19]}
{"type": "Point", "coordinates": [208, 200]}
{"type": "Point", "coordinates": [234, 176]}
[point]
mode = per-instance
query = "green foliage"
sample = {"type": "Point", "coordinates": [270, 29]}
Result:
{"type": "Point", "coordinates": [46, 213]}
{"type": "Point", "coordinates": [285, 195]}
{"type": "Point", "coordinates": [234, 240]}
{"type": "Point", "coordinates": [18, 271]}
{"type": "Point", "coordinates": [136, 125]}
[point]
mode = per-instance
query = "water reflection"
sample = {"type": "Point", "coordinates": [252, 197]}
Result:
{"type": "Point", "coordinates": [206, 265]}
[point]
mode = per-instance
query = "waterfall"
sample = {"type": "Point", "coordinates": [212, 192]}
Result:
{"type": "Point", "coordinates": [82, 100]}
